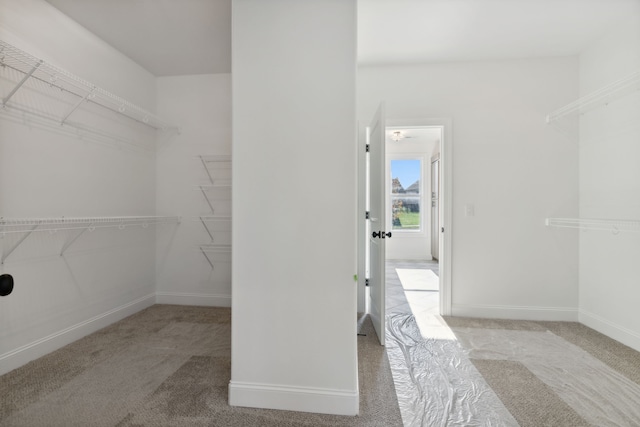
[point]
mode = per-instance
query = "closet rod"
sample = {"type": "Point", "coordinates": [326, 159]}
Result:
{"type": "Point", "coordinates": [613, 225]}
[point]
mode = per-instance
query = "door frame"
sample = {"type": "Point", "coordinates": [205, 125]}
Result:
{"type": "Point", "coordinates": [435, 182]}
{"type": "Point", "coordinates": [446, 207]}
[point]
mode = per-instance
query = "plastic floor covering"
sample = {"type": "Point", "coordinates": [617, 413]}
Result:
{"type": "Point", "coordinates": [504, 373]}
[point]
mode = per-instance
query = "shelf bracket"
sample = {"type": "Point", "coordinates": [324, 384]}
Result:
{"type": "Point", "coordinates": [207, 257]}
{"type": "Point", "coordinates": [24, 79]}
{"type": "Point", "coordinates": [5, 256]}
{"type": "Point", "coordinates": [71, 242]}
{"type": "Point", "coordinates": [204, 163]}
{"type": "Point", "coordinates": [204, 224]}
{"type": "Point", "coordinates": [75, 107]}
{"type": "Point", "coordinates": [204, 193]}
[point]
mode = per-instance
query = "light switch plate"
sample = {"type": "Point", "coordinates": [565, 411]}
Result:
{"type": "Point", "coordinates": [469, 210]}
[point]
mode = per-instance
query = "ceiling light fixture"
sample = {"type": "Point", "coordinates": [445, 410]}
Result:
{"type": "Point", "coordinates": [397, 135]}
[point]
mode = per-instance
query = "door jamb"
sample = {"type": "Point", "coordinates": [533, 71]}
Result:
{"type": "Point", "coordinates": [446, 208]}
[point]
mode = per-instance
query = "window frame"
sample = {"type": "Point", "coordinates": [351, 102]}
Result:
{"type": "Point", "coordinates": [422, 230]}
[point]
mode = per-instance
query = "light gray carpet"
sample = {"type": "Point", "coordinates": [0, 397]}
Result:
{"type": "Point", "coordinates": [529, 400]}
{"type": "Point", "coordinates": [169, 366]}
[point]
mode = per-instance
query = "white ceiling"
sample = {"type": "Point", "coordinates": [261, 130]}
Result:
{"type": "Point", "coordinates": [174, 37]}
{"type": "Point", "coordinates": [418, 135]}
{"type": "Point", "coordinates": [415, 31]}
{"type": "Point", "coordinates": [166, 37]}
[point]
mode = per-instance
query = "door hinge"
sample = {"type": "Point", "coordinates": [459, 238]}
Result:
{"type": "Point", "coordinates": [366, 282]}
{"type": "Point", "coordinates": [367, 215]}
{"type": "Point", "coordinates": [367, 148]}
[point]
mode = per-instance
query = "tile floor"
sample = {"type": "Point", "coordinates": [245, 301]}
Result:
{"type": "Point", "coordinates": [427, 301]}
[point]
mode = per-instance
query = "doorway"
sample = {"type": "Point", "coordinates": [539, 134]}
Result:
{"type": "Point", "coordinates": [444, 259]}
{"type": "Point", "coordinates": [412, 181]}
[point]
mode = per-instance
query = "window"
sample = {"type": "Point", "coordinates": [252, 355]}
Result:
{"type": "Point", "coordinates": [406, 194]}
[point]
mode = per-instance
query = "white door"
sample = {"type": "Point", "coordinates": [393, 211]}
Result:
{"type": "Point", "coordinates": [377, 233]}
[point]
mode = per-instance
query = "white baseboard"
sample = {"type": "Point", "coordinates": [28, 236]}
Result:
{"type": "Point", "coordinates": [303, 399]}
{"type": "Point", "coordinates": [565, 314]}
{"type": "Point", "coordinates": [610, 329]}
{"type": "Point", "coordinates": [26, 353]}
{"type": "Point", "coordinates": [179, 298]}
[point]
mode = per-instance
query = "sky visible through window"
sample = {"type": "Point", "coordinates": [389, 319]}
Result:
{"type": "Point", "coordinates": [406, 170]}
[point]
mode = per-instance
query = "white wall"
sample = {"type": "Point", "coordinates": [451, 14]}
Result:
{"type": "Point", "coordinates": [411, 245]}
{"type": "Point", "coordinates": [610, 188]}
{"type": "Point", "coordinates": [202, 106]}
{"type": "Point", "coordinates": [509, 165]}
{"type": "Point", "coordinates": [294, 202]}
{"type": "Point", "coordinates": [106, 274]}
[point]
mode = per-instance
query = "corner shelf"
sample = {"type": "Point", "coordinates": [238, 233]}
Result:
{"type": "Point", "coordinates": [218, 161]}
{"type": "Point", "coordinates": [62, 92]}
{"type": "Point", "coordinates": [613, 225]}
{"type": "Point", "coordinates": [217, 193]}
{"type": "Point", "coordinates": [216, 254]}
{"type": "Point", "coordinates": [28, 226]}
{"type": "Point", "coordinates": [220, 229]}
{"type": "Point", "coordinates": [601, 97]}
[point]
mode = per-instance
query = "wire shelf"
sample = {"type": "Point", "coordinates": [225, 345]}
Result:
{"type": "Point", "coordinates": [216, 254]}
{"type": "Point", "coordinates": [214, 218]}
{"type": "Point", "coordinates": [603, 96]}
{"type": "Point", "coordinates": [70, 90]}
{"type": "Point", "coordinates": [221, 249]}
{"type": "Point", "coordinates": [23, 225]}
{"type": "Point", "coordinates": [218, 227]}
{"type": "Point", "coordinates": [218, 168]}
{"type": "Point", "coordinates": [217, 193]}
{"type": "Point", "coordinates": [216, 158]}
{"type": "Point", "coordinates": [614, 226]}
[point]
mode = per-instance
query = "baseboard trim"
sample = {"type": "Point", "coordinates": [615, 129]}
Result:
{"type": "Point", "coordinates": [612, 330]}
{"type": "Point", "coordinates": [565, 314]}
{"type": "Point", "coordinates": [290, 398]}
{"type": "Point", "coordinates": [26, 353]}
{"type": "Point", "coordinates": [181, 298]}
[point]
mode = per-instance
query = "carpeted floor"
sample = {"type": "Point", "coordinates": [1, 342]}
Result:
{"type": "Point", "coordinates": [169, 366]}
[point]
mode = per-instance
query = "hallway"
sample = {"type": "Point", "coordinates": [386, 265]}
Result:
{"type": "Point", "coordinates": [396, 299]}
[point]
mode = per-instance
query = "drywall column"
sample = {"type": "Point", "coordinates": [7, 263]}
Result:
{"type": "Point", "coordinates": [294, 201]}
